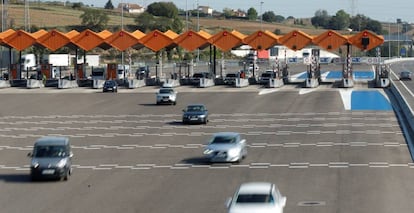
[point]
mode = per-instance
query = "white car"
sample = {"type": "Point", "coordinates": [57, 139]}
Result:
{"type": "Point", "coordinates": [256, 197]}
{"type": "Point", "coordinates": [226, 147]}
{"type": "Point", "coordinates": [166, 95]}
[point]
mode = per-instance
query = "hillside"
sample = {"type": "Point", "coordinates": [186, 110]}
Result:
{"type": "Point", "coordinates": [47, 16]}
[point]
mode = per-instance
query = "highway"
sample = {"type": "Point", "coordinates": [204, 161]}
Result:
{"type": "Point", "coordinates": [134, 156]}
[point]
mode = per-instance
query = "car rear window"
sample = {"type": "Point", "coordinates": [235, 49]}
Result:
{"type": "Point", "coordinates": [255, 198]}
{"type": "Point", "coordinates": [224, 139]}
{"type": "Point", "coordinates": [166, 91]}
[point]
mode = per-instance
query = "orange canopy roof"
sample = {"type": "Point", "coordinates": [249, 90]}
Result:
{"type": "Point", "coordinates": [330, 40]}
{"type": "Point", "coordinates": [87, 40]}
{"type": "Point", "coordinates": [156, 40]}
{"type": "Point", "coordinates": [20, 40]}
{"type": "Point", "coordinates": [261, 40]}
{"type": "Point", "coordinates": [191, 40]}
{"type": "Point", "coordinates": [296, 40]}
{"type": "Point", "coordinates": [374, 40]}
{"type": "Point", "coordinates": [226, 40]}
{"type": "Point", "coordinates": [53, 40]}
{"type": "Point", "coordinates": [122, 40]}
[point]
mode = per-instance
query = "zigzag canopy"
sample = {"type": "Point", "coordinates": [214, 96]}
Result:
{"type": "Point", "coordinates": [189, 40]}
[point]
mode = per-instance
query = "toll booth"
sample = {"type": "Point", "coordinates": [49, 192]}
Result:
{"type": "Point", "coordinates": [111, 71]}
{"type": "Point", "coordinates": [14, 68]}
{"type": "Point", "coordinates": [46, 70]}
{"type": "Point", "coordinates": [80, 71]}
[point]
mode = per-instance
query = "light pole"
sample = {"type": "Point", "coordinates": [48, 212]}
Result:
{"type": "Point", "coordinates": [389, 40]}
{"type": "Point", "coordinates": [398, 38]}
{"type": "Point", "coordinates": [261, 16]}
{"type": "Point", "coordinates": [198, 29]}
{"type": "Point", "coordinates": [186, 14]}
{"type": "Point", "coordinates": [122, 53]}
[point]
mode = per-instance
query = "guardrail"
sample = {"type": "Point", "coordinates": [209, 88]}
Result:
{"type": "Point", "coordinates": [406, 109]}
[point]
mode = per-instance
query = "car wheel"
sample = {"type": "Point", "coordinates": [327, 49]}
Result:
{"type": "Point", "coordinates": [158, 103]}
{"type": "Point", "coordinates": [174, 103]}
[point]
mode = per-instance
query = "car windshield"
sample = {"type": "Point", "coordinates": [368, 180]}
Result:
{"type": "Point", "coordinates": [50, 151]}
{"type": "Point", "coordinates": [198, 75]}
{"type": "Point", "coordinates": [255, 198]}
{"type": "Point", "coordinates": [109, 83]}
{"type": "Point", "coordinates": [195, 108]}
{"type": "Point", "coordinates": [224, 139]}
{"type": "Point", "coordinates": [231, 75]}
{"type": "Point", "coordinates": [266, 75]}
{"type": "Point", "coordinates": [166, 91]}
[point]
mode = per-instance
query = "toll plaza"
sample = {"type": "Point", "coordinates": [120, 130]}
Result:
{"type": "Point", "coordinates": [182, 73]}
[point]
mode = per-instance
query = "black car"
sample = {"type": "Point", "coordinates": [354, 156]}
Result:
{"type": "Point", "coordinates": [195, 113]}
{"type": "Point", "coordinates": [195, 80]}
{"type": "Point", "coordinates": [230, 78]}
{"type": "Point", "coordinates": [405, 75]}
{"type": "Point", "coordinates": [110, 85]}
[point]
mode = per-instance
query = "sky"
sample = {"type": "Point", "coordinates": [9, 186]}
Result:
{"type": "Point", "coordinates": [380, 10]}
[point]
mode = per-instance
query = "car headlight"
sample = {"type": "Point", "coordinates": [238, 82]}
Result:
{"type": "Point", "coordinates": [208, 151]}
{"type": "Point", "coordinates": [35, 164]}
{"type": "Point", "coordinates": [202, 116]}
{"type": "Point", "coordinates": [61, 163]}
{"type": "Point", "coordinates": [233, 152]}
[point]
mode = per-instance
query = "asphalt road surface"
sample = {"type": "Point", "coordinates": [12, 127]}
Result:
{"type": "Point", "coordinates": [134, 156]}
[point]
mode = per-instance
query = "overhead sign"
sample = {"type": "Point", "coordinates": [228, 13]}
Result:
{"type": "Point", "coordinates": [324, 60]}
{"type": "Point", "coordinates": [356, 60]}
{"type": "Point", "coordinates": [403, 52]}
{"type": "Point", "coordinates": [292, 60]}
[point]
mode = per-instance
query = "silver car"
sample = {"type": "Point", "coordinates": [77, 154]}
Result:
{"type": "Point", "coordinates": [166, 95]}
{"type": "Point", "coordinates": [51, 158]}
{"type": "Point", "coordinates": [226, 147]}
{"type": "Point", "coordinates": [256, 197]}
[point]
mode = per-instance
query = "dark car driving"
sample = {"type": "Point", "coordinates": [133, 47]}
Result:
{"type": "Point", "coordinates": [195, 113]}
{"type": "Point", "coordinates": [110, 85]}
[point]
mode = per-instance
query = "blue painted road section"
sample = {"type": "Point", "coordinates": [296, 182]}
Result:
{"type": "Point", "coordinates": [358, 75]}
{"type": "Point", "coordinates": [369, 100]}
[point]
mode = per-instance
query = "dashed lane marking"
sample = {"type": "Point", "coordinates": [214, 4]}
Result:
{"type": "Point", "coordinates": [380, 115]}
{"type": "Point", "coordinates": [292, 165]}
{"type": "Point", "coordinates": [198, 146]}
{"type": "Point", "coordinates": [198, 134]}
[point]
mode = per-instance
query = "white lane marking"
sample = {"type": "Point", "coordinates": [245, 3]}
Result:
{"type": "Point", "coordinates": [346, 98]}
{"type": "Point", "coordinates": [268, 91]}
{"type": "Point", "coordinates": [199, 146]}
{"type": "Point", "coordinates": [306, 91]}
{"type": "Point", "coordinates": [140, 120]}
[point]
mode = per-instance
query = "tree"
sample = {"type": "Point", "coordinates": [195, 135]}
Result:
{"type": "Point", "coordinates": [279, 19]}
{"type": "Point", "coordinates": [321, 19]}
{"type": "Point", "coordinates": [77, 5]}
{"type": "Point", "coordinates": [361, 22]}
{"type": "Point", "coordinates": [228, 13]}
{"type": "Point", "coordinates": [147, 22]}
{"type": "Point", "coordinates": [109, 5]}
{"type": "Point", "coordinates": [164, 9]}
{"type": "Point", "coordinates": [277, 31]}
{"type": "Point", "coordinates": [269, 16]}
{"type": "Point", "coordinates": [94, 19]}
{"type": "Point", "coordinates": [251, 14]}
{"type": "Point", "coordinates": [340, 21]}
